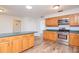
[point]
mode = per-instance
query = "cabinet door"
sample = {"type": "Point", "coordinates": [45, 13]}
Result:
{"type": "Point", "coordinates": [28, 41]}
{"type": "Point", "coordinates": [25, 44]}
{"type": "Point", "coordinates": [74, 21]}
{"type": "Point", "coordinates": [74, 39]}
{"type": "Point", "coordinates": [46, 35]}
{"type": "Point", "coordinates": [5, 41]}
{"type": "Point", "coordinates": [62, 17]}
{"type": "Point", "coordinates": [17, 44]}
{"type": "Point", "coordinates": [4, 47]}
{"type": "Point", "coordinates": [51, 22]}
{"type": "Point", "coordinates": [50, 35]}
{"type": "Point", "coordinates": [53, 36]}
{"type": "Point", "coordinates": [77, 18]}
{"type": "Point", "coordinates": [31, 40]}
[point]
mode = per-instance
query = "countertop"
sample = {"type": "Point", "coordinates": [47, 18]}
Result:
{"type": "Point", "coordinates": [70, 31]}
{"type": "Point", "coordinates": [15, 34]}
{"type": "Point", "coordinates": [52, 30]}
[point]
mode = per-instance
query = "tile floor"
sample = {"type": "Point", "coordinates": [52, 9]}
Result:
{"type": "Point", "coordinates": [51, 47]}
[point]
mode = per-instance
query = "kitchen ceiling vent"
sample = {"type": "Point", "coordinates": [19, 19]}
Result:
{"type": "Point", "coordinates": [60, 11]}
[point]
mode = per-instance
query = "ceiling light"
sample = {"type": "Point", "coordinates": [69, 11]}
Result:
{"type": "Point", "coordinates": [1, 10]}
{"type": "Point", "coordinates": [29, 7]}
{"type": "Point", "coordinates": [56, 6]}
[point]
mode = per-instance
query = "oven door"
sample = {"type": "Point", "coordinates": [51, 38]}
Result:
{"type": "Point", "coordinates": [63, 37]}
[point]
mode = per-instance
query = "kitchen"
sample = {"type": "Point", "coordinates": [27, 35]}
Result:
{"type": "Point", "coordinates": [53, 30]}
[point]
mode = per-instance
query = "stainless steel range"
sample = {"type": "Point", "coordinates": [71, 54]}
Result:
{"type": "Point", "coordinates": [63, 37]}
{"type": "Point", "coordinates": [63, 31]}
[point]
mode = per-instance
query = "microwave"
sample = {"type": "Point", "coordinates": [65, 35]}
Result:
{"type": "Point", "coordinates": [63, 21]}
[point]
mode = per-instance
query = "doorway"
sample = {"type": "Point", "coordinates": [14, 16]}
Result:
{"type": "Point", "coordinates": [16, 26]}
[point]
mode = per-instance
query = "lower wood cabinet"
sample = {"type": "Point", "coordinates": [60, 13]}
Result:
{"type": "Point", "coordinates": [31, 40]}
{"type": "Point", "coordinates": [28, 41]}
{"type": "Point", "coordinates": [4, 47]}
{"type": "Point", "coordinates": [16, 44]}
{"type": "Point", "coordinates": [50, 35]}
{"type": "Point", "coordinates": [74, 39]}
{"type": "Point", "coordinates": [25, 42]}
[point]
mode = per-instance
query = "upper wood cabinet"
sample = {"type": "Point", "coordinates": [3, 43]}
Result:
{"type": "Point", "coordinates": [65, 16]}
{"type": "Point", "coordinates": [74, 20]}
{"type": "Point", "coordinates": [51, 22]}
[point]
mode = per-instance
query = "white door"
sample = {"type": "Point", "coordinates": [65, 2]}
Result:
{"type": "Point", "coordinates": [16, 26]}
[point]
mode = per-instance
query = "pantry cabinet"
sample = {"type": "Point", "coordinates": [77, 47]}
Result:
{"type": "Point", "coordinates": [74, 39]}
{"type": "Point", "coordinates": [51, 22]}
{"type": "Point", "coordinates": [50, 35]}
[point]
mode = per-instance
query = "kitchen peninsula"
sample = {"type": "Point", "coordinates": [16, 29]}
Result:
{"type": "Point", "coordinates": [16, 42]}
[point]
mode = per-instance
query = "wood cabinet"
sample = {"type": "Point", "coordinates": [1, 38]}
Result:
{"type": "Point", "coordinates": [74, 39]}
{"type": "Point", "coordinates": [74, 20]}
{"type": "Point", "coordinates": [50, 35]}
{"type": "Point", "coordinates": [28, 41]}
{"type": "Point", "coordinates": [63, 17]}
{"type": "Point", "coordinates": [31, 40]}
{"type": "Point", "coordinates": [4, 47]}
{"type": "Point", "coordinates": [15, 44]}
{"type": "Point", "coordinates": [25, 44]}
{"type": "Point", "coordinates": [51, 22]}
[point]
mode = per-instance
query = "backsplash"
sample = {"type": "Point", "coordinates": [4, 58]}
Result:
{"type": "Point", "coordinates": [57, 28]}
{"type": "Point", "coordinates": [74, 28]}
{"type": "Point", "coordinates": [52, 28]}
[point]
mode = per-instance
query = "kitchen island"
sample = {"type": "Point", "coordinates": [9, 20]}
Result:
{"type": "Point", "coordinates": [16, 42]}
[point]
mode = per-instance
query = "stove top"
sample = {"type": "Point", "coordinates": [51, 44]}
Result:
{"type": "Point", "coordinates": [64, 30]}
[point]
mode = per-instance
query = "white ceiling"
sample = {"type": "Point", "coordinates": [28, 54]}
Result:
{"type": "Point", "coordinates": [37, 11]}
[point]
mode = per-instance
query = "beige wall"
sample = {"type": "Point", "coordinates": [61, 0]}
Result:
{"type": "Point", "coordinates": [6, 23]}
